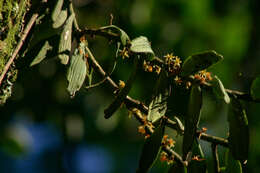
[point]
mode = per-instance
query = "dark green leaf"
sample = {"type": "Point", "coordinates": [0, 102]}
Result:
{"type": "Point", "coordinates": [255, 88]}
{"type": "Point", "coordinates": [197, 166]}
{"type": "Point", "coordinates": [150, 150]}
{"type": "Point", "coordinates": [200, 61]}
{"type": "Point", "coordinates": [123, 93]}
{"type": "Point", "coordinates": [232, 165]}
{"type": "Point", "coordinates": [123, 36]}
{"type": "Point", "coordinates": [192, 119]}
{"type": "Point", "coordinates": [177, 168]}
{"type": "Point", "coordinates": [60, 19]}
{"type": "Point", "coordinates": [77, 70]}
{"type": "Point", "coordinates": [142, 45]}
{"type": "Point", "coordinates": [42, 54]}
{"type": "Point", "coordinates": [219, 90]}
{"type": "Point", "coordinates": [238, 131]}
{"type": "Point", "coordinates": [57, 10]}
{"type": "Point", "coordinates": [158, 105]}
{"type": "Point", "coordinates": [65, 41]}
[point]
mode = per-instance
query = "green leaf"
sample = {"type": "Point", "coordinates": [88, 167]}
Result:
{"type": "Point", "coordinates": [65, 41]}
{"type": "Point", "coordinates": [123, 36]}
{"type": "Point", "coordinates": [255, 88]}
{"type": "Point", "coordinates": [123, 93]}
{"type": "Point", "coordinates": [200, 61]}
{"type": "Point", "coordinates": [60, 19]}
{"type": "Point", "coordinates": [57, 10]}
{"type": "Point", "coordinates": [197, 166]}
{"type": "Point", "coordinates": [142, 45]}
{"type": "Point", "coordinates": [151, 150]}
{"type": "Point", "coordinates": [177, 168]}
{"type": "Point", "coordinates": [219, 90]}
{"type": "Point", "coordinates": [238, 131]}
{"type": "Point", "coordinates": [192, 119]}
{"type": "Point", "coordinates": [77, 70]}
{"type": "Point", "coordinates": [232, 165]}
{"type": "Point", "coordinates": [42, 53]}
{"type": "Point", "coordinates": [158, 105]}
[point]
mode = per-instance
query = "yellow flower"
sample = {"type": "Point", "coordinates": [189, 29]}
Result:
{"type": "Point", "coordinates": [121, 84]}
{"type": "Point", "coordinates": [141, 130]}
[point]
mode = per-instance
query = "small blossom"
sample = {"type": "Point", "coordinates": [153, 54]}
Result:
{"type": "Point", "coordinates": [157, 69]}
{"type": "Point", "coordinates": [150, 68]}
{"type": "Point", "coordinates": [141, 129]}
{"type": "Point", "coordinates": [188, 85]}
{"type": "Point", "coordinates": [178, 80]}
{"type": "Point", "coordinates": [121, 84]}
{"type": "Point", "coordinates": [124, 53]}
{"type": "Point", "coordinates": [147, 136]}
{"type": "Point", "coordinates": [196, 158]}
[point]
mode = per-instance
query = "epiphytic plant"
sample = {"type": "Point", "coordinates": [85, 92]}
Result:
{"type": "Point", "coordinates": [174, 76]}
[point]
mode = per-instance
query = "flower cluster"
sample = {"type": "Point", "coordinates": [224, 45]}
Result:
{"type": "Point", "coordinates": [167, 142]}
{"type": "Point", "coordinates": [151, 68]}
{"type": "Point", "coordinates": [147, 127]}
{"type": "Point", "coordinates": [143, 129]}
{"type": "Point", "coordinates": [173, 63]}
{"type": "Point", "coordinates": [203, 76]}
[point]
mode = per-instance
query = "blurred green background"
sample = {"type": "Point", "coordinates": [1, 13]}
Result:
{"type": "Point", "coordinates": [44, 130]}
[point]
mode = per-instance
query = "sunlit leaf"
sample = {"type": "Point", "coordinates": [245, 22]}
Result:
{"type": "Point", "coordinates": [57, 9]}
{"type": "Point", "coordinates": [142, 45]}
{"type": "Point", "coordinates": [158, 105]}
{"type": "Point", "coordinates": [238, 131]}
{"type": "Point", "coordinates": [232, 165]}
{"type": "Point", "coordinates": [200, 165]}
{"type": "Point", "coordinates": [123, 92]}
{"type": "Point", "coordinates": [255, 88]}
{"type": "Point", "coordinates": [177, 168]}
{"type": "Point", "coordinates": [200, 61]}
{"type": "Point", "coordinates": [60, 19]}
{"type": "Point", "coordinates": [42, 54]}
{"type": "Point", "coordinates": [77, 70]}
{"type": "Point", "coordinates": [123, 36]}
{"type": "Point", "coordinates": [219, 90]}
{"type": "Point", "coordinates": [65, 41]}
{"type": "Point", "coordinates": [150, 150]}
{"type": "Point", "coordinates": [192, 119]}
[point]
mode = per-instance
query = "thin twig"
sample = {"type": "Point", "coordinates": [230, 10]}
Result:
{"type": "Point", "coordinates": [215, 158]}
{"type": "Point", "coordinates": [18, 47]}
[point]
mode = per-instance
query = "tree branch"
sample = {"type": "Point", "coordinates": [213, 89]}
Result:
{"type": "Point", "coordinates": [19, 45]}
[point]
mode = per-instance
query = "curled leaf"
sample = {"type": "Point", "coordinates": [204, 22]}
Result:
{"type": "Point", "coordinates": [238, 131]}
{"type": "Point", "coordinates": [65, 41]}
{"type": "Point", "coordinates": [200, 61]}
{"type": "Point", "coordinates": [42, 54]}
{"type": "Point", "coordinates": [123, 36]}
{"type": "Point", "coordinates": [60, 19]}
{"type": "Point", "coordinates": [142, 45]}
{"type": "Point", "coordinates": [57, 10]}
{"type": "Point", "coordinates": [158, 105]}
{"type": "Point", "coordinates": [151, 150]}
{"type": "Point", "coordinates": [77, 70]}
{"type": "Point", "coordinates": [219, 90]}
{"type": "Point", "coordinates": [192, 119]}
